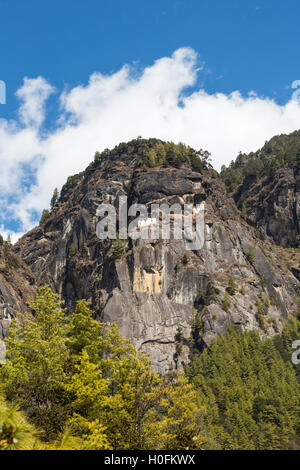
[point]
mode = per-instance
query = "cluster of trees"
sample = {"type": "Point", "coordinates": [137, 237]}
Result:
{"type": "Point", "coordinates": [250, 390]}
{"type": "Point", "coordinates": [151, 152]}
{"type": "Point", "coordinates": [147, 154]}
{"type": "Point", "coordinates": [46, 213]}
{"type": "Point", "coordinates": [168, 153]}
{"type": "Point", "coordinates": [82, 385]}
{"type": "Point", "coordinates": [71, 382]}
{"type": "Point", "coordinates": [8, 258]}
{"type": "Point", "coordinates": [280, 151]}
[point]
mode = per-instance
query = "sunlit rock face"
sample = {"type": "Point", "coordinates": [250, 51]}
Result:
{"type": "Point", "coordinates": [17, 287]}
{"type": "Point", "coordinates": [164, 302]}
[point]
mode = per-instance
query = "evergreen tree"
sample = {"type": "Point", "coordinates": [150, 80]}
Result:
{"type": "Point", "coordinates": [54, 198]}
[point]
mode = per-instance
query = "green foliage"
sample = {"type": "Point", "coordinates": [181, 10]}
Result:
{"type": "Point", "coordinates": [185, 259]}
{"type": "Point", "coordinates": [72, 249]}
{"type": "Point", "coordinates": [177, 423]}
{"type": "Point", "coordinates": [34, 371]}
{"type": "Point", "coordinates": [168, 153]}
{"type": "Point", "coordinates": [84, 386]}
{"type": "Point", "coordinates": [16, 433]}
{"type": "Point", "coordinates": [45, 216]}
{"type": "Point", "coordinates": [118, 247]}
{"type": "Point", "coordinates": [263, 282]}
{"type": "Point", "coordinates": [71, 182]}
{"type": "Point", "coordinates": [282, 150]}
{"type": "Point", "coordinates": [262, 304]}
{"type": "Point", "coordinates": [11, 261]}
{"type": "Point", "coordinates": [77, 372]}
{"type": "Point", "coordinates": [231, 287]}
{"type": "Point", "coordinates": [226, 303]}
{"type": "Point", "coordinates": [244, 211]}
{"type": "Point", "coordinates": [250, 391]}
{"type": "Point", "coordinates": [250, 255]}
{"type": "Point", "coordinates": [206, 296]}
{"type": "Point", "coordinates": [97, 156]}
{"type": "Point", "coordinates": [54, 198]}
{"type": "Point", "coordinates": [146, 153]}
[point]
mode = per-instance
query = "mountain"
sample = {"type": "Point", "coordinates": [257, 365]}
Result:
{"type": "Point", "coordinates": [266, 187]}
{"type": "Point", "coordinates": [166, 299]}
{"type": "Point", "coordinates": [16, 285]}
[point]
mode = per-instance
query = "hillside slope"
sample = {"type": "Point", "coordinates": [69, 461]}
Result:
{"type": "Point", "coordinates": [16, 286]}
{"type": "Point", "coordinates": [266, 187]}
{"type": "Point", "coordinates": [162, 297]}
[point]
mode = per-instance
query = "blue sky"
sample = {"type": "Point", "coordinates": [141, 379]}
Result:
{"type": "Point", "coordinates": [249, 44]}
{"type": "Point", "coordinates": [245, 46]}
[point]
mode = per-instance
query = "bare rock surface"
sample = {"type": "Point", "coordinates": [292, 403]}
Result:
{"type": "Point", "coordinates": [159, 300]}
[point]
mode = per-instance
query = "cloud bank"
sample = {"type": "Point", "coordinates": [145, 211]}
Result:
{"type": "Point", "coordinates": [159, 101]}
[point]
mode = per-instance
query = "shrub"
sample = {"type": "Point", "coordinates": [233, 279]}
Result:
{"type": "Point", "coordinates": [231, 287]}
{"type": "Point", "coordinates": [45, 215]}
{"type": "Point", "coordinates": [118, 247]}
{"type": "Point", "coordinates": [250, 255]}
{"type": "Point", "coordinates": [226, 303]}
{"type": "Point", "coordinates": [185, 259]}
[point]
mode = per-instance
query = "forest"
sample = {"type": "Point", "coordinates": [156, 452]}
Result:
{"type": "Point", "coordinates": [282, 150]}
{"type": "Point", "coordinates": [72, 382]}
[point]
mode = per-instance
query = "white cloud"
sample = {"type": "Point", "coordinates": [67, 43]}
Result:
{"type": "Point", "coordinates": [119, 107]}
{"type": "Point", "coordinates": [14, 236]}
{"type": "Point", "coordinates": [34, 94]}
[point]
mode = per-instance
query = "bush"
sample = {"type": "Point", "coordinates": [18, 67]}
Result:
{"type": "Point", "coordinates": [185, 259]}
{"type": "Point", "coordinates": [45, 216]}
{"type": "Point", "coordinates": [118, 247]}
{"type": "Point", "coordinates": [250, 255]}
{"type": "Point", "coordinates": [231, 287]}
{"type": "Point", "coordinates": [72, 249]}
{"type": "Point", "coordinates": [226, 303]}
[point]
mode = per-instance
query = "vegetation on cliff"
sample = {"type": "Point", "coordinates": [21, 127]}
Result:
{"type": "Point", "coordinates": [146, 153]}
{"type": "Point", "coordinates": [80, 385]}
{"type": "Point", "coordinates": [73, 372]}
{"type": "Point", "coordinates": [282, 150]}
{"type": "Point", "coordinates": [250, 390]}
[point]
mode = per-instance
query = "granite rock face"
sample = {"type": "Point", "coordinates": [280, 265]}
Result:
{"type": "Point", "coordinates": [17, 287]}
{"type": "Point", "coordinates": [160, 299]}
{"type": "Point", "coordinates": [273, 205]}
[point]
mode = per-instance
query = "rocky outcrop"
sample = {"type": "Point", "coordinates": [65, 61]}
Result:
{"type": "Point", "coordinates": [161, 299]}
{"type": "Point", "coordinates": [272, 205]}
{"type": "Point", "coordinates": [16, 286]}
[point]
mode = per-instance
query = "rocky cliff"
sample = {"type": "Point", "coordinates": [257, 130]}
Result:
{"type": "Point", "coordinates": [272, 205]}
{"type": "Point", "coordinates": [164, 298]}
{"type": "Point", "coordinates": [266, 187]}
{"type": "Point", "coordinates": [17, 286]}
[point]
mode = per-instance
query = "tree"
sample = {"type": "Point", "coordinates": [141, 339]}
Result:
{"type": "Point", "coordinates": [54, 198]}
{"type": "Point", "coordinates": [181, 424]}
{"type": "Point", "coordinates": [117, 392]}
{"type": "Point", "coordinates": [123, 404]}
{"type": "Point", "coordinates": [185, 259]}
{"type": "Point", "coordinates": [45, 215]}
{"type": "Point", "coordinates": [85, 333]}
{"type": "Point", "coordinates": [34, 372]}
{"type": "Point", "coordinates": [75, 373]}
{"type": "Point", "coordinates": [250, 393]}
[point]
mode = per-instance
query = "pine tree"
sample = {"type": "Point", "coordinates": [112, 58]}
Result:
{"type": "Point", "coordinates": [34, 372]}
{"type": "Point", "coordinates": [54, 198]}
